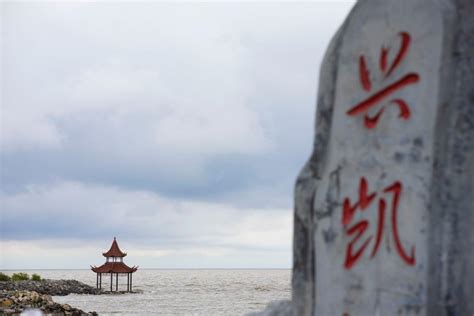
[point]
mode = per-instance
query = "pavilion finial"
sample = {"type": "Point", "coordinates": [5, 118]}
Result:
{"type": "Point", "coordinates": [114, 250]}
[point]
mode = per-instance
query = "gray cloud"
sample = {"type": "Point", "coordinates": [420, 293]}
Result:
{"type": "Point", "coordinates": [150, 223]}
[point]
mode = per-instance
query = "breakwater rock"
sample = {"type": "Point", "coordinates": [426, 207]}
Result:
{"type": "Point", "coordinates": [15, 302]}
{"type": "Point", "coordinates": [50, 287]}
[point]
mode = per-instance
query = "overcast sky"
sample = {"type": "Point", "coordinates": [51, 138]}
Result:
{"type": "Point", "coordinates": [179, 128]}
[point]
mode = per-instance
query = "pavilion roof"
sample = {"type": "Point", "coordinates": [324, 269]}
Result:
{"type": "Point", "coordinates": [114, 251]}
{"type": "Point", "coordinates": [114, 267]}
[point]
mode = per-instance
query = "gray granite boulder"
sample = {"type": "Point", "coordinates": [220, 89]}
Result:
{"type": "Point", "coordinates": [384, 208]}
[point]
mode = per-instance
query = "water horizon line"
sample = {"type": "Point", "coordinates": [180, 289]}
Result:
{"type": "Point", "coordinates": [85, 269]}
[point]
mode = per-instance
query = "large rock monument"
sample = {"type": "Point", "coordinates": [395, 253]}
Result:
{"type": "Point", "coordinates": [384, 208]}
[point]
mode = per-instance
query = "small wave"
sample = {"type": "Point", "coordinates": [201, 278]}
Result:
{"type": "Point", "coordinates": [262, 289]}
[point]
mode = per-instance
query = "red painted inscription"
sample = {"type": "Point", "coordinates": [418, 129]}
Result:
{"type": "Point", "coordinates": [357, 230]}
{"type": "Point", "coordinates": [378, 97]}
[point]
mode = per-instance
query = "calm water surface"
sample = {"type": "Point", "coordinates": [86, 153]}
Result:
{"type": "Point", "coordinates": [181, 292]}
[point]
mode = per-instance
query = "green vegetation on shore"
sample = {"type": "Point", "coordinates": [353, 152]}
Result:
{"type": "Point", "coordinates": [35, 277]}
{"type": "Point", "coordinates": [20, 276]}
{"type": "Point", "coordinates": [4, 277]}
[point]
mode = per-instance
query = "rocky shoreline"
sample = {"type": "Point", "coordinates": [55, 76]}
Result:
{"type": "Point", "coordinates": [17, 296]}
{"type": "Point", "coordinates": [50, 287]}
{"type": "Point", "coordinates": [15, 302]}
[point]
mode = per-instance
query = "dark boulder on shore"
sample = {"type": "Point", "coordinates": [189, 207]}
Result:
{"type": "Point", "coordinates": [15, 302]}
{"type": "Point", "coordinates": [50, 287]}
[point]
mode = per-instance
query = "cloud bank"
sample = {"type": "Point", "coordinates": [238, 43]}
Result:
{"type": "Point", "coordinates": [179, 128]}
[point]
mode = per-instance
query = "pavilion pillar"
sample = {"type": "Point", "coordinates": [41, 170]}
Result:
{"type": "Point", "coordinates": [128, 282]}
{"type": "Point", "coordinates": [97, 281]}
{"type": "Point", "coordinates": [116, 281]}
{"type": "Point", "coordinates": [100, 280]}
{"type": "Point", "coordinates": [131, 277]}
{"type": "Point", "coordinates": [111, 280]}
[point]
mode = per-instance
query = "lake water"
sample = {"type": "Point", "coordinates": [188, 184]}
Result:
{"type": "Point", "coordinates": [181, 292]}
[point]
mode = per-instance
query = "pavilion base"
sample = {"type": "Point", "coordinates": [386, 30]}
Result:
{"type": "Point", "coordinates": [129, 281]}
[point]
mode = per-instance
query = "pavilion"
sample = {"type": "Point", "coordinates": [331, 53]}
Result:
{"type": "Point", "coordinates": [114, 265]}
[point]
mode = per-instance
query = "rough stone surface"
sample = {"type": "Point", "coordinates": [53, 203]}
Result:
{"type": "Point", "coordinates": [384, 208]}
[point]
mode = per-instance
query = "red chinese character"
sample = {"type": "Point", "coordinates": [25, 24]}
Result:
{"type": "Point", "coordinates": [379, 96]}
{"type": "Point", "coordinates": [359, 228]}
